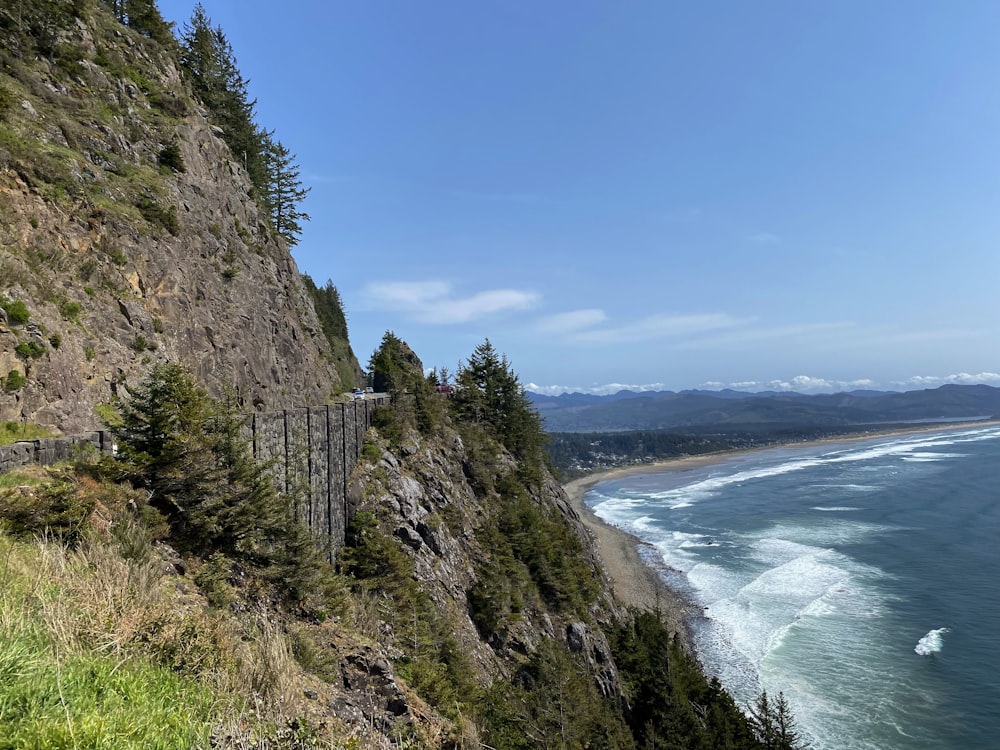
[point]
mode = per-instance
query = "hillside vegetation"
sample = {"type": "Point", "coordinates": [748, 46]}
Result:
{"type": "Point", "coordinates": [169, 596]}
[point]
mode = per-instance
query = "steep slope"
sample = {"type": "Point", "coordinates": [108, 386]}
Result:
{"type": "Point", "coordinates": [129, 234]}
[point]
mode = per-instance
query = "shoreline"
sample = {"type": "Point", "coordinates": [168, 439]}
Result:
{"type": "Point", "coordinates": [636, 582]}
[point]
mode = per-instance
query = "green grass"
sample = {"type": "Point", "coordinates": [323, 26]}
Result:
{"type": "Point", "coordinates": [92, 701]}
{"type": "Point", "coordinates": [20, 478]}
{"type": "Point", "coordinates": [11, 432]}
{"type": "Point", "coordinates": [57, 693]}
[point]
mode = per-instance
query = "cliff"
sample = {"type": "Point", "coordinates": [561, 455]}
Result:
{"type": "Point", "coordinates": [130, 234]}
{"type": "Point", "coordinates": [173, 594]}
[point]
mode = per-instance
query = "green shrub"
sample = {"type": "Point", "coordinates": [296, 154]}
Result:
{"type": "Point", "coordinates": [371, 452]}
{"type": "Point", "coordinates": [55, 340]}
{"type": "Point", "coordinates": [30, 349]}
{"type": "Point", "coordinates": [7, 100]}
{"type": "Point", "coordinates": [70, 310]}
{"type": "Point", "coordinates": [17, 311]}
{"type": "Point", "coordinates": [141, 344]}
{"type": "Point", "coordinates": [156, 212]}
{"type": "Point", "coordinates": [56, 508]}
{"type": "Point", "coordinates": [15, 381]}
{"type": "Point", "coordinates": [213, 580]}
{"type": "Point", "coordinates": [171, 158]}
{"type": "Point", "coordinates": [114, 253]}
{"type": "Point", "coordinates": [11, 432]}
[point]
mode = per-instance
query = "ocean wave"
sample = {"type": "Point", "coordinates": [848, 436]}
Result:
{"type": "Point", "coordinates": [835, 508]}
{"type": "Point", "coordinates": [932, 642]}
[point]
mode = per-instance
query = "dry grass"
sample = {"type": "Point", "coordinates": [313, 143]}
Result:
{"type": "Point", "coordinates": [91, 601]}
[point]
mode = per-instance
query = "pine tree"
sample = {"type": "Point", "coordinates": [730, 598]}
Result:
{"type": "Point", "coordinates": [209, 59]}
{"type": "Point", "coordinates": [786, 736]}
{"type": "Point", "coordinates": [190, 453]}
{"type": "Point", "coordinates": [395, 368]}
{"type": "Point", "coordinates": [489, 392]}
{"type": "Point", "coordinates": [144, 17]}
{"type": "Point", "coordinates": [773, 723]}
{"type": "Point", "coordinates": [284, 192]}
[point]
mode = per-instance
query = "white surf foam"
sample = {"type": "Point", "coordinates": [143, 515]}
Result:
{"type": "Point", "coordinates": [835, 509]}
{"type": "Point", "coordinates": [932, 642]}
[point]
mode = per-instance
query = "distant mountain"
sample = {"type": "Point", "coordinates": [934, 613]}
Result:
{"type": "Point", "coordinates": [667, 410]}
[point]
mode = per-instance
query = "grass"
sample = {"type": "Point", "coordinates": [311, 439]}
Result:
{"type": "Point", "coordinates": [101, 648]}
{"type": "Point", "coordinates": [11, 432]}
{"type": "Point", "coordinates": [56, 688]}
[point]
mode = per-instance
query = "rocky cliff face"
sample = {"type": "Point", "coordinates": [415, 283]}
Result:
{"type": "Point", "coordinates": [422, 497]}
{"type": "Point", "coordinates": [129, 235]}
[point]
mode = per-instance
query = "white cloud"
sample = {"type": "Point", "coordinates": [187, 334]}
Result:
{"type": "Point", "coordinates": [659, 326]}
{"type": "Point", "coordinates": [798, 384]}
{"type": "Point", "coordinates": [568, 322]}
{"type": "Point", "coordinates": [597, 390]}
{"type": "Point", "coordinates": [808, 384]}
{"type": "Point", "coordinates": [435, 301]}
{"type": "Point", "coordinates": [806, 334]}
{"type": "Point", "coordinates": [961, 378]}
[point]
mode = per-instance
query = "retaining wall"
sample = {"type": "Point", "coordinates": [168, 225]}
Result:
{"type": "Point", "coordinates": [45, 451]}
{"type": "Point", "coordinates": [310, 454]}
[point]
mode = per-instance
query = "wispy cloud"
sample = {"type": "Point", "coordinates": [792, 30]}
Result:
{"type": "Point", "coordinates": [569, 322]}
{"type": "Point", "coordinates": [436, 302]}
{"type": "Point", "coordinates": [811, 333]}
{"type": "Point", "coordinates": [798, 384]}
{"type": "Point", "coordinates": [658, 327]}
{"type": "Point", "coordinates": [598, 390]}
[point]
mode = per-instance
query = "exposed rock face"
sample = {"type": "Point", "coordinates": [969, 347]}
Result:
{"type": "Point", "coordinates": [121, 261]}
{"type": "Point", "coordinates": [422, 497]}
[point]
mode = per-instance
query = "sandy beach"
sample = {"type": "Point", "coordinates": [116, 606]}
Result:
{"type": "Point", "coordinates": [637, 583]}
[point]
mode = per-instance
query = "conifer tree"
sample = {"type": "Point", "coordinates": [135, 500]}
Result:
{"type": "Point", "coordinates": [144, 17]}
{"type": "Point", "coordinates": [208, 57]}
{"type": "Point", "coordinates": [284, 193]}
{"type": "Point", "coordinates": [489, 392]}
{"type": "Point", "coordinates": [189, 452]}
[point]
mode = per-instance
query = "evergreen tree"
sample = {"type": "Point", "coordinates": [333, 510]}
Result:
{"type": "Point", "coordinates": [144, 17]}
{"type": "Point", "coordinates": [773, 723]}
{"type": "Point", "coordinates": [396, 369]}
{"type": "Point", "coordinates": [209, 59]}
{"type": "Point", "coordinates": [34, 27]}
{"type": "Point", "coordinates": [284, 193]}
{"type": "Point", "coordinates": [488, 392]}
{"type": "Point", "coordinates": [189, 452]}
{"type": "Point", "coordinates": [329, 307]}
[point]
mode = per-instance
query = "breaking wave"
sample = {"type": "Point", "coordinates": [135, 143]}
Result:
{"type": "Point", "coordinates": [931, 643]}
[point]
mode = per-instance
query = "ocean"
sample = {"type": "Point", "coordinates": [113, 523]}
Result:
{"type": "Point", "coordinates": [861, 579]}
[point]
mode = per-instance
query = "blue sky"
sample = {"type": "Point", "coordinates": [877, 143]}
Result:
{"type": "Point", "coordinates": [680, 195]}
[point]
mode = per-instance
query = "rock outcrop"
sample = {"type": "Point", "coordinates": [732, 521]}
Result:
{"type": "Point", "coordinates": [120, 260]}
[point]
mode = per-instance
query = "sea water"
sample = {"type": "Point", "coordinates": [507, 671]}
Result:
{"type": "Point", "coordinates": [861, 579]}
